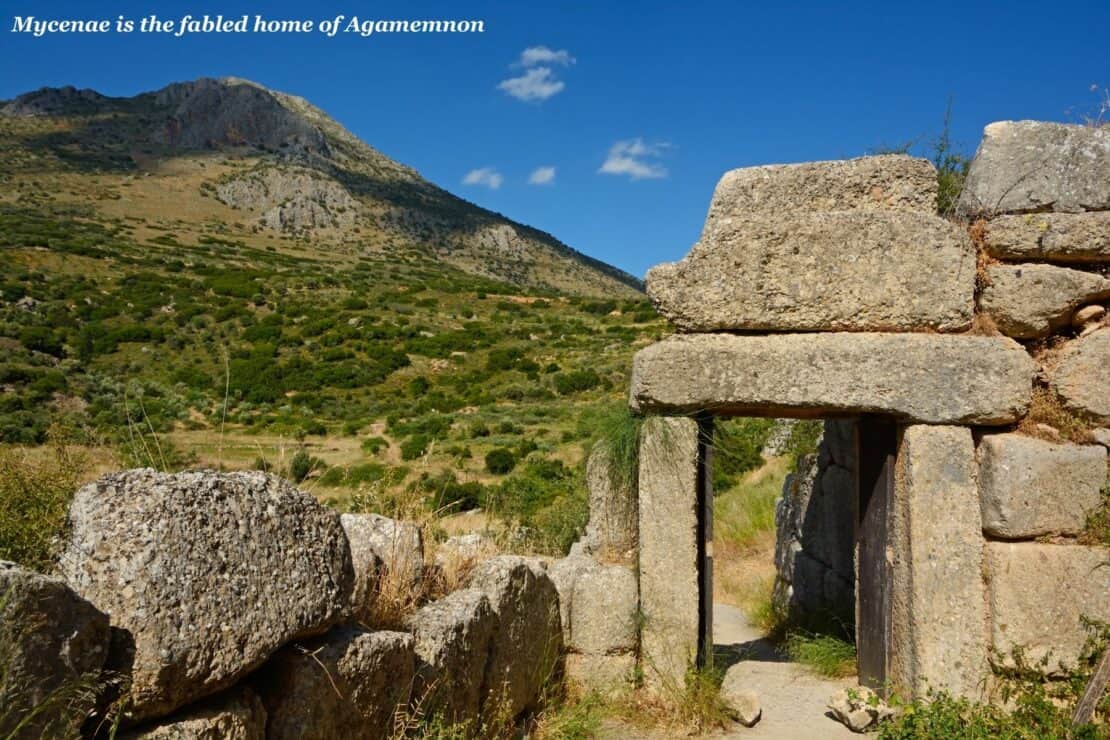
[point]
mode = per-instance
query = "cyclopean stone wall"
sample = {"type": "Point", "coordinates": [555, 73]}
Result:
{"type": "Point", "coordinates": [833, 289]}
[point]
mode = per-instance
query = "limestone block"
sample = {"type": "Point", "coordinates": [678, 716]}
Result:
{"type": "Point", "coordinates": [565, 573]}
{"type": "Point", "coordinates": [51, 638]}
{"type": "Point", "coordinates": [1057, 237]}
{"type": "Point", "coordinates": [1081, 378]}
{"type": "Point", "coordinates": [204, 576]}
{"type": "Point", "coordinates": [1029, 487]}
{"type": "Point", "coordinates": [607, 674]}
{"type": "Point", "coordinates": [668, 550]}
{"type": "Point", "coordinates": [938, 615]}
{"type": "Point", "coordinates": [740, 697]}
{"type": "Point", "coordinates": [821, 271]}
{"type": "Point", "coordinates": [1024, 166]}
{"type": "Point", "coordinates": [888, 182]}
{"type": "Point", "coordinates": [612, 525]}
{"type": "Point", "coordinates": [1038, 593]}
{"type": "Point", "coordinates": [929, 378]}
{"type": "Point", "coordinates": [603, 619]}
{"type": "Point", "coordinates": [1028, 301]}
{"type": "Point", "coordinates": [453, 638]}
{"type": "Point", "coordinates": [398, 545]}
{"type": "Point", "coordinates": [349, 683]}
{"type": "Point", "coordinates": [236, 714]}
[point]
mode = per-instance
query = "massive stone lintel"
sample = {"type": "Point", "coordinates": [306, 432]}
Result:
{"type": "Point", "coordinates": [928, 378]}
{"type": "Point", "coordinates": [851, 270]}
{"type": "Point", "coordinates": [938, 613]}
{"type": "Point", "coordinates": [1025, 166]}
{"type": "Point", "coordinates": [668, 551]}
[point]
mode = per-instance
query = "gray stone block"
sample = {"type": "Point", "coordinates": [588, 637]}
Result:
{"type": "Point", "coordinates": [1057, 237]}
{"type": "Point", "coordinates": [1028, 301]}
{"type": "Point", "coordinates": [929, 378]}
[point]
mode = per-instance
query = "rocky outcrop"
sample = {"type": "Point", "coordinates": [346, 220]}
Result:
{"type": "Point", "coordinates": [291, 199]}
{"type": "Point", "coordinates": [1029, 301]}
{"type": "Point", "coordinates": [916, 377]}
{"type": "Point", "coordinates": [204, 575]}
{"type": "Point", "coordinates": [237, 714]}
{"type": "Point", "coordinates": [51, 639]}
{"type": "Point", "coordinates": [527, 646]}
{"type": "Point", "coordinates": [1057, 237]}
{"type": "Point", "coordinates": [348, 683]}
{"type": "Point", "coordinates": [1081, 378]}
{"type": "Point", "coordinates": [1029, 487]}
{"type": "Point", "coordinates": [1031, 166]}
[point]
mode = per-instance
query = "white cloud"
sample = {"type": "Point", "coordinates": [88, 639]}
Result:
{"type": "Point", "coordinates": [538, 83]}
{"type": "Point", "coordinates": [636, 159]}
{"type": "Point", "coordinates": [542, 176]}
{"type": "Point", "coordinates": [534, 55]}
{"type": "Point", "coordinates": [486, 176]}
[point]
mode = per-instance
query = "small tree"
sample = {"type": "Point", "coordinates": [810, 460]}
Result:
{"type": "Point", "coordinates": [500, 461]}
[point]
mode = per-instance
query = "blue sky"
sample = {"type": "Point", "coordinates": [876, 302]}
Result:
{"type": "Point", "coordinates": [670, 95]}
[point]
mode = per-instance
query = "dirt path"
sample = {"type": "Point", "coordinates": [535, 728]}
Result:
{"type": "Point", "coordinates": [793, 698]}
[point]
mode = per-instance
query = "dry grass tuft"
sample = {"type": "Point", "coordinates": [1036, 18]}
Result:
{"type": "Point", "coordinates": [1046, 414]}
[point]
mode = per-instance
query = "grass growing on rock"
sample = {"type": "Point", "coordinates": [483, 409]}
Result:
{"type": "Point", "coordinates": [826, 654]}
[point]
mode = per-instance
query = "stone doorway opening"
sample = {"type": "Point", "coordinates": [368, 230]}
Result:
{"type": "Point", "coordinates": [830, 483]}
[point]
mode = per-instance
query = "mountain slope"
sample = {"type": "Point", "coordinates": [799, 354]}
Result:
{"type": "Point", "coordinates": [232, 156]}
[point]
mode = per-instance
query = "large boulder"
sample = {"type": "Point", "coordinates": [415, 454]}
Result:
{"type": "Point", "coordinates": [603, 617]}
{"type": "Point", "coordinates": [1028, 301]}
{"type": "Point", "coordinates": [611, 530]}
{"type": "Point", "coordinates": [892, 182]}
{"type": "Point", "coordinates": [1029, 487]}
{"type": "Point", "coordinates": [204, 575]}
{"type": "Point", "coordinates": [1081, 378]}
{"type": "Point", "coordinates": [237, 714]}
{"type": "Point", "coordinates": [936, 379]}
{"type": "Point", "coordinates": [1026, 166]}
{"type": "Point", "coordinates": [453, 637]}
{"type": "Point", "coordinates": [348, 683]}
{"type": "Point", "coordinates": [528, 644]}
{"type": "Point", "coordinates": [1057, 237]}
{"type": "Point", "coordinates": [1039, 594]}
{"type": "Point", "coordinates": [821, 271]}
{"type": "Point", "coordinates": [51, 639]}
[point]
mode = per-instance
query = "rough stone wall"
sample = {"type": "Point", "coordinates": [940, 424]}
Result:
{"type": "Point", "coordinates": [814, 529]}
{"type": "Point", "coordinates": [834, 289]}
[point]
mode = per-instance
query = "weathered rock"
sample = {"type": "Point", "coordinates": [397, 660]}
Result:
{"type": "Point", "coordinates": [1101, 435]}
{"type": "Point", "coordinates": [1038, 594]}
{"type": "Point", "coordinates": [1030, 300]}
{"type": "Point", "coordinates": [606, 674]}
{"type": "Point", "coordinates": [742, 701]}
{"type": "Point", "coordinates": [348, 683]}
{"type": "Point", "coordinates": [526, 648]}
{"type": "Point", "coordinates": [778, 438]}
{"type": "Point", "coordinates": [1087, 315]}
{"type": "Point", "coordinates": [937, 613]}
{"type": "Point", "coordinates": [398, 545]}
{"type": "Point", "coordinates": [464, 549]}
{"type": "Point", "coordinates": [889, 182]}
{"type": "Point", "coordinates": [237, 714]}
{"type": "Point", "coordinates": [204, 575]}
{"type": "Point", "coordinates": [613, 512]}
{"type": "Point", "coordinates": [1058, 237]}
{"type": "Point", "coordinates": [668, 550]}
{"type": "Point", "coordinates": [821, 271]}
{"type": "Point", "coordinates": [917, 377]}
{"type": "Point", "coordinates": [603, 618]}
{"type": "Point", "coordinates": [1029, 487]}
{"type": "Point", "coordinates": [859, 708]}
{"type": "Point", "coordinates": [50, 638]}
{"type": "Point", "coordinates": [1082, 376]}
{"type": "Point", "coordinates": [564, 573]}
{"type": "Point", "coordinates": [1024, 166]}
{"type": "Point", "coordinates": [291, 199]}
{"type": "Point", "coordinates": [453, 638]}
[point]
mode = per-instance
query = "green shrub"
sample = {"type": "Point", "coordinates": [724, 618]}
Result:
{"type": "Point", "coordinates": [302, 465]}
{"type": "Point", "coordinates": [374, 444]}
{"type": "Point", "coordinates": [576, 381]}
{"type": "Point", "coordinates": [500, 461]}
{"type": "Point", "coordinates": [415, 446]}
{"type": "Point", "coordinates": [737, 444]}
